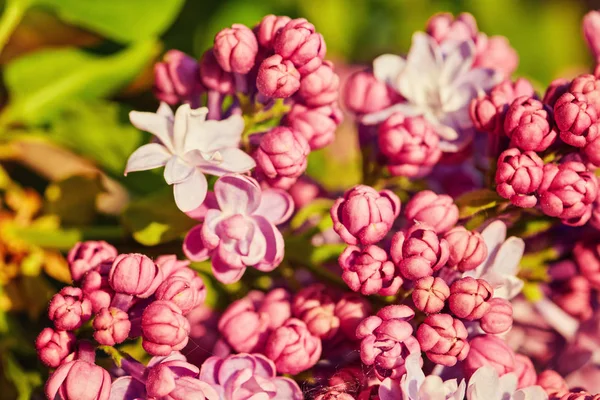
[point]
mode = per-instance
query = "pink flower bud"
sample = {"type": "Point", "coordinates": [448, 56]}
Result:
{"type": "Point", "coordinates": [528, 124]}
{"type": "Point", "coordinates": [518, 176]}
{"type": "Point", "coordinates": [268, 28]}
{"type": "Point", "coordinates": [277, 77]}
{"type": "Point", "coordinates": [525, 371]}
{"type": "Point", "coordinates": [364, 94]}
{"type": "Point", "coordinates": [567, 192]}
{"type": "Point", "coordinates": [574, 115]}
{"type": "Point", "coordinates": [258, 314]}
{"type": "Point", "coordinates": [111, 326]}
{"type": "Point", "coordinates": [591, 150]}
{"type": "Point", "coordinates": [495, 53]}
{"type": "Point", "coordinates": [574, 296]}
{"type": "Point", "coordinates": [557, 88]}
{"type": "Point", "coordinates": [469, 298]}
{"type": "Point", "coordinates": [364, 215]}
{"type": "Point", "coordinates": [282, 153]}
{"type": "Point", "coordinates": [134, 274]}
{"type": "Point", "coordinates": [387, 340]}
{"type": "Point", "coordinates": [299, 43]}
{"type": "Point", "coordinates": [164, 328]}
{"type": "Point", "coordinates": [591, 32]}
{"type": "Point", "coordinates": [467, 249]}
{"type": "Point", "coordinates": [320, 88]}
{"type": "Point", "coordinates": [181, 292]}
{"type": "Point", "coordinates": [97, 290]}
{"type": "Point", "coordinates": [333, 394]}
{"type": "Point", "coordinates": [78, 379]}
{"type": "Point", "coordinates": [437, 211]}
{"type": "Point", "coordinates": [170, 379]}
{"type": "Point", "coordinates": [444, 27]}
{"type": "Point", "coordinates": [236, 48]}
{"type": "Point", "coordinates": [418, 252]}
{"type": "Point", "coordinates": [552, 382]}
{"type": "Point", "coordinates": [430, 294]}
{"type": "Point", "coordinates": [589, 86]}
{"type": "Point", "coordinates": [292, 347]}
{"type": "Point", "coordinates": [351, 310]}
{"type": "Point", "coordinates": [443, 339]}
{"type": "Point", "coordinates": [411, 145]}
{"type": "Point", "coordinates": [304, 191]}
{"type": "Point", "coordinates": [69, 309]}
{"type": "Point", "coordinates": [177, 79]}
{"type": "Point", "coordinates": [213, 76]}
{"type": "Point", "coordinates": [499, 318]}
{"type": "Point", "coordinates": [317, 125]}
{"type": "Point", "coordinates": [368, 271]}
{"type": "Point", "coordinates": [315, 307]}
{"type": "Point", "coordinates": [53, 346]}
{"type": "Point", "coordinates": [86, 256]}
{"type": "Point", "coordinates": [489, 350]}
{"type": "Point", "coordinates": [587, 256]}
{"type": "Point", "coordinates": [348, 379]}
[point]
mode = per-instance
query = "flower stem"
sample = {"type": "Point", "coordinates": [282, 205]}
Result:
{"type": "Point", "coordinates": [13, 14]}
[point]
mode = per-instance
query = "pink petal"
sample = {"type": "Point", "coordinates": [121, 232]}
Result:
{"type": "Point", "coordinates": [149, 156]}
{"type": "Point", "coordinates": [210, 203]}
{"type": "Point", "coordinates": [210, 136]}
{"type": "Point", "coordinates": [276, 205]}
{"type": "Point", "coordinates": [274, 245]}
{"type": "Point", "coordinates": [225, 273]}
{"type": "Point", "coordinates": [237, 194]}
{"type": "Point", "coordinates": [193, 247]}
{"type": "Point", "coordinates": [190, 193]}
{"type": "Point", "coordinates": [233, 160]}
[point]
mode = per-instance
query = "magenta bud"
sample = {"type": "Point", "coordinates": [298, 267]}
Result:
{"type": "Point", "coordinates": [589, 86]}
{"type": "Point", "coordinates": [293, 348]}
{"type": "Point", "coordinates": [315, 307]}
{"type": "Point", "coordinates": [574, 115]}
{"type": "Point", "coordinates": [591, 150]}
{"type": "Point", "coordinates": [552, 382]}
{"type": "Point", "coordinates": [78, 379]}
{"type": "Point", "coordinates": [277, 77]}
{"type": "Point", "coordinates": [320, 88]}
{"type": "Point", "coordinates": [69, 309]}
{"type": "Point", "coordinates": [317, 125]}
{"type": "Point", "coordinates": [467, 249]}
{"type": "Point", "coordinates": [364, 94]}
{"type": "Point", "coordinates": [418, 252]}
{"type": "Point", "coordinates": [369, 271]}
{"type": "Point", "coordinates": [587, 256]}
{"type": "Point", "coordinates": [525, 371]}
{"type": "Point", "coordinates": [567, 192]}
{"type": "Point", "coordinates": [181, 292]}
{"type": "Point", "coordinates": [444, 26]}
{"type": "Point", "coordinates": [351, 310]}
{"type": "Point", "coordinates": [469, 298]}
{"type": "Point", "coordinates": [518, 176]}
{"type": "Point", "coordinates": [528, 124]}
{"type": "Point", "coordinates": [258, 314]}
{"type": "Point", "coordinates": [495, 53]}
{"type": "Point", "coordinates": [437, 211]}
{"type": "Point", "coordinates": [575, 297]}
{"type": "Point", "coordinates": [269, 28]}
{"type": "Point", "coordinates": [499, 317]}
{"type": "Point", "coordinates": [213, 76]}
{"type": "Point", "coordinates": [86, 256]}
{"type": "Point", "coordinates": [410, 144]}
{"type": "Point", "coordinates": [489, 350]}
{"type": "Point", "coordinates": [177, 79]}
{"type": "Point", "coordinates": [53, 346]}
{"type": "Point", "coordinates": [111, 326]}
{"type": "Point", "coordinates": [298, 42]}
{"type": "Point", "coordinates": [364, 215]}
{"type": "Point", "coordinates": [557, 88]}
{"type": "Point", "coordinates": [235, 49]}
{"type": "Point", "coordinates": [282, 153]}
{"type": "Point", "coordinates": [591, 32]}
{"type": "Point", "coordinates": [135, 275]}
{"type": "Point", "coordinates": [164, 328]}
{"type": "Point", "coordinates": [97, 290]}
{"type": "Point", "coordinates": [443, 339]}
{"type": "Point", "coordinates": [430, 294]}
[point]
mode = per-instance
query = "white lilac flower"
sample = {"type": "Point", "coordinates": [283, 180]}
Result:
{"type": "Point", "coordinates": [485, 384]}
{"type": "Point", "coordinates": [188, 147]}
{"type": "Point", "coordinates": [438, 82]}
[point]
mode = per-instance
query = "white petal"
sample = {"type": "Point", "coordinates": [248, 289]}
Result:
{"type": "Point", "coordinates": [190, 193]}
{"type": "Point", "coordinates": [237, 194]}
{"type": "Point", "coordinates": [453, 146]}
{"type": "Point", "coordinates": [149, 156]}
{"type": "Point", "coordinates": [158, 125]}
{"type": "Point", "coordinates": [377, 117]}
{"type": "Point", "coordinates": [530, 393]}
{"type": "Point", "coordinates": [185, 120]}
{"type": "Point", "coordinates": [509, 256]}
{"type": "Point", "coordinates": [459, 394]}
{"type": "Point", "coordinates": [493, 236]}
{"type": "Point", "coordinates": [165, 110]}
{"type": "Point", "coordinates": [484, 385]}
{"type": "Point", "coordinates": [389, 390]}
{"type": "Point", "coordinates": [387, 67]}
{"type": "Point", "coordinates": [424, 51]}
{"type": "Point", "coordinates": [458, 61]}
{"type": "Point", "coordinates": [234, 160]}
{"type": "Point", "coordinates": [446, 132]}
{"type": "Point", "coordinates": [177, 170]}
{"type": "Point", "coordinates": [213, 135]}
{"type": "Point", "coordinates": [508, 383]}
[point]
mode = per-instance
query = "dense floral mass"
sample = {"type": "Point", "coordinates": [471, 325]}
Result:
{"type": "Point", "coordinates": [411, 284]}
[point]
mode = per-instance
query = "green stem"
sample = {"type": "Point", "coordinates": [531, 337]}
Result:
{"type": "Point", "coordinates": [112, 353]}
{"type": "Point", "coordinates": [13, 14]}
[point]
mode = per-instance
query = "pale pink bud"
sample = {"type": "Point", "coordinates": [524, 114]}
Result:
{"type": "Point", "coordinates": [78, 380]}
{"type": "Point", "coordinates": [437, 211]}
{"type": "Point", "coordinates": [213, 76]}
{"type": "Point", "coordinates": [525, 371]}
{"type": "Point", "coordinates": [364, 215]}
{"type": "Point", "coordinates": [53, 346]}
{"type": "Point", "coordinates": [69, 309]}
{"type": "Point", "coordinates": [134, 274]}
{"type": "Point", "coordinates": [518, 176]}
{"type": "Point", "coordinates": [86, 256]}
{"type": "Point", "coordinates": [467, 249]}
{"type": "Point", "coordinates": [574, 115]}
{"type": "Point", "coordinates": [111, 326]}
{"type": "Point", "coordinates": [236, 48]}
{"type": "Point", "coordinates": [268, 28]}
{"type": "Point", "coordinates": [369, 271]}
{"type": "Point", "coordinates": [320, 88]}
{"type": "Point", "coordinates": [298, 42]}
{"type": "Point", "coordinates": [277, 77]}
{"type": "Point", "coordinates": [317, 125]}
{"type": "Point", "coordinates": [552, 382]}
{"type": "Point", "coordinates": [293, 348]}
{"type": "Point", "coordinates": [164, 328]}
{"type": "Point", "coordinates": [177, 79]}
{"type": "Point", "coordinates": [282, 153]}
{"type": "Point", "coordinates": [315, 306]}
{"type": "Point", "coordinates": [469, 298]}
{"type": "Point", "coordinates": [443, 339]}
{"type": "Point", "coordinates": [528, 124]}
{"type": "Point", "coordinates": [489, 350]}
{"type": "Point", "coordinates": [499, 318]}
{"type": "Point", "coordinates": [181, 292]}
{"type": "Point", "coordinates": [444, 27]}
{"type": "Point", "coordinates": [364, 94]}
{"type": "Point", "coordinates": [351, 310]}
{"type": "Point", "coordinates": [430, 294]}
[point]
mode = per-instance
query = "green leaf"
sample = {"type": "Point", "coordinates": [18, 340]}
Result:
{"type": "Point", "coordinates": [24, 381]}
{"type": "Point", "coordinates": [477, 201]}
{"type": "Point", "coordinates": [120, 20]}
{"type": "Point", "coordinates": [156, 219]}
{"type": "Point", "coordinates": [74, 199]}
{"type": "Point", "coordinates": [315, 209]}
{"type": "Point", "coordinates": [41, 84]}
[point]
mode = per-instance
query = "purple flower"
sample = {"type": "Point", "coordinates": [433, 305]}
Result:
{"type": "Point", "coordinates": [177, 79]}
{"type": "Point", "coordinates": [78, 380]}
{"type": "Point", "coordinates": [298, 42]}
{"type": "Point", "coordinates": [269, 28]}
{"type": "Point", "coordinates": [317, 125]}
{"type": "Point", "coordinates": [387, 340]}
{"type": "Point", "coordinates": [315, 306]}
{"type": "Point", "coordinates": [519, 176]}
{"type": "Point", "coordinates": [277, 78]}
{"type": "Point", "coordinates": [239, 228]}
{"type": "Point", "coordinates": [248, 376]}
{"type": "Point", "coordinates": [364, 94]}
{"type": "Point", "coordinates": [438, 83]}
{"type": "Point", "coordinates": [429, 294]}
{"type": "Point", "coordinates": [369, 271]}
{"type": "Point", "coordinates": [111, 326]}
{"type": "Point", "coordinates": [437, 211]}
{"type": "Point", "coordinates": [189, 147]}
{"type": "Point", "coordinates": [293, 348]}
{"type": "Point", "coordinates": [364, 215]}
{"type": "Point", "coordinates": [236, 48]}
{"type": "Point", "coordinates": [528, 124]}
{"type": "Point", "coordinates": [69, 309]}
{"type": "Point", "coordinates": [53, 346]}
{"type": "Point", "coordinates": [443, 339]}
{"type": "Point", "coordinates": [164, 328]}
{"type": "Point", "coordinates": [86, 256]}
